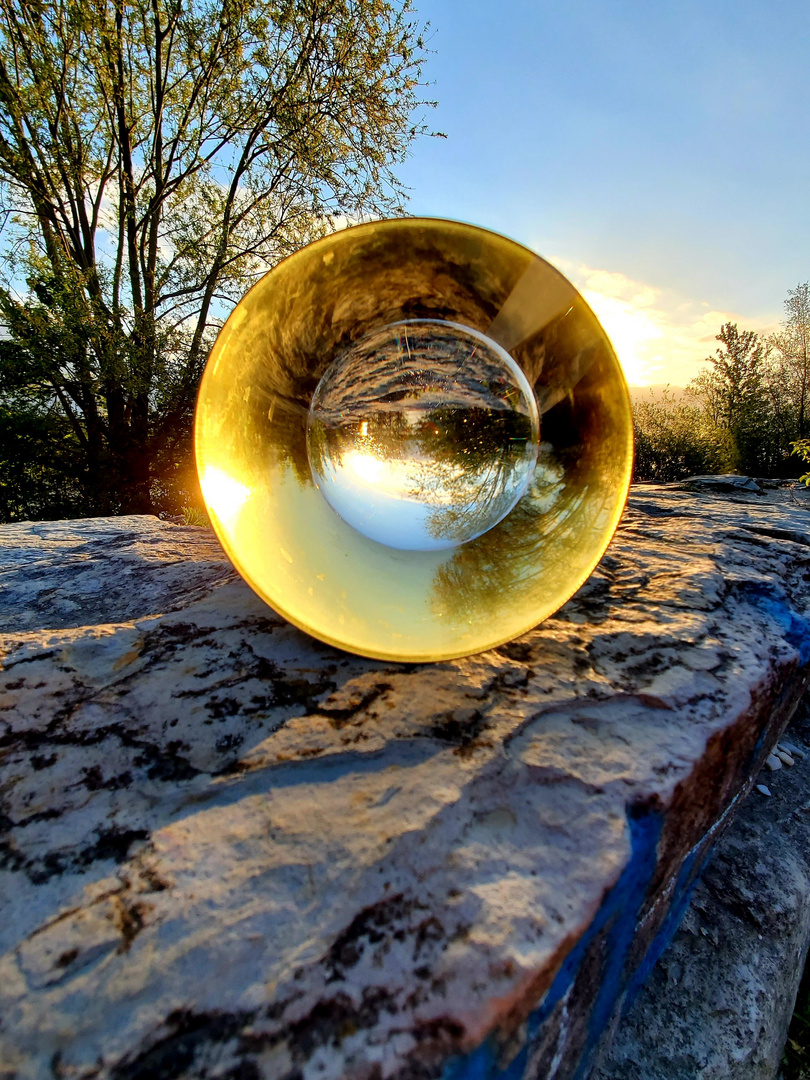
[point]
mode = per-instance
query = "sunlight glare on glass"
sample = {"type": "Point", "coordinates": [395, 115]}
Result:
{"type": "Point", "coordinates": [366, 466]}
{"type": "Point", "coordinates": [423, 435]}
{"type": "Point", "coordinates": [224, 494]}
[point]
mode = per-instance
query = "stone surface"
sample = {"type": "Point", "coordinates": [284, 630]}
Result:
{"type": "Point", "coordinates": [725, 482]}
{"type": "Point", "coordinates": [61, 574]}
{"type": "Point", "coordinates": [719, 1001]}
{"type": "Point", "coordinates": [231, 851]}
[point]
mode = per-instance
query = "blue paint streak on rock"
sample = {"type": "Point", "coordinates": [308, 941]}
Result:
{"type": "Point", "coordinates": [776, 707]}
{"type": "Point", "coordinates": [623, 903]}
{"type": "Point", "coordinates": [645, 830]}
{"type": "Point", "coordinates": [796, 628]}
{"type": "Point", "coordinates": [688, 878]}
{"type": "Point", "coordinates": [621, 908]}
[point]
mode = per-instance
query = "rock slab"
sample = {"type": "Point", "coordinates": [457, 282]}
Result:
{"type": "Point", "coordinates": [719, 1002]}
{"type": "Point", "coordinates": [231, 851]}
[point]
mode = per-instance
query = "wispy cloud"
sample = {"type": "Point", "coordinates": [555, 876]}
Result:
{"type": "Point", "coordinates": [659, 337]}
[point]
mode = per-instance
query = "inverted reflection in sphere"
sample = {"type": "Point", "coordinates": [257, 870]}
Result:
{"type": "Point", "coordinates": [423, 435]}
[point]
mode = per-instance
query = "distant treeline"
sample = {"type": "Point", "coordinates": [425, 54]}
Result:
{"type": "Point", "coordinates": [744, 413]}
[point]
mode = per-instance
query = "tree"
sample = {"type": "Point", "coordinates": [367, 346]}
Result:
{"type": "Point", "coordinates": [735, 380]}
{"type": "Point", "coordinates": [733, 393]}
{"type": "Point", "coordinates": [156, 157]}
{"type": "Point", "coordinates": [674, 440]}
{"type": "Point", "coordinates": [792, 362]}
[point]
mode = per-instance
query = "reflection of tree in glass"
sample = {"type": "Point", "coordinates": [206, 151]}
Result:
{"type": "Point", "coordinates": [468, 465]}
{"type": "Point", "coordinates": [492, 571]}
{"type": "Point", "coordinates": [484, 457]}
{"type": "Point", "coordinates": [545, 541]}
{"type": "Point", "coordinates": [384, 435]}
{"type": "Point", "coordinates": [318, 446]}
{"type": "Point", "coordinates": [472, 437]}
{"type": "Point", "coordinates": [427, 412]}
{"type": "Point", "coordinates": [282, 438]}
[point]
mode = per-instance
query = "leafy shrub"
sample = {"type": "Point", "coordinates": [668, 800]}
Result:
{"type": "Point", "coordinates": [802, 448]}
{"type": "Point", "coordinates": [674, 439]}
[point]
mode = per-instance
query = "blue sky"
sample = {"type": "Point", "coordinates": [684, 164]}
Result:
{"type": "Point", "coordinates": [658, 152]}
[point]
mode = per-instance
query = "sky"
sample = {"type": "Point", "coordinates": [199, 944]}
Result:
{"type": "Point", "coordinates": [658, 153]}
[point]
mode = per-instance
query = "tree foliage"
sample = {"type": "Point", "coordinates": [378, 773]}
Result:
{"type": "Point", "coordinates": [742, 413]}
{"type": "Point", "coordinates": [675, 439]}
{"type": "Point", "coordinates": [156, 156]}
{"type": "Point", "coordinates": [801, 447]}
{"type": "Point", "coordinates": [791, 363]}
{"type": "Point", "coordinates": [734, 396]}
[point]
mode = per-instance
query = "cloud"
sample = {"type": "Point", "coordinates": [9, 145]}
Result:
{"type": "Point", "coordinates": [659, 336]}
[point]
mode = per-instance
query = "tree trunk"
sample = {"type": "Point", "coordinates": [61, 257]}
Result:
{"type": "Point", "coordinates": [135, 480]}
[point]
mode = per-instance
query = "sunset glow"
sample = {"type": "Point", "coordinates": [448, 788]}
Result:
{"type": "Point", "coordinates": [659, 337]}
{"type": "Point", "coordinates": [367, 467]}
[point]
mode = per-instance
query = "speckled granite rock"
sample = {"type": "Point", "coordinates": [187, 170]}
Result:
{"type": "Point", "coordinates": [231, 851]}
{"type": "Point", "coordinates": [61, 574]}
{"type": "Point", "coordinates": [718, 1003]}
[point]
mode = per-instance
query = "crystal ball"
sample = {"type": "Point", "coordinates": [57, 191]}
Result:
{"type": "Point", "coordinates": [423, 435]}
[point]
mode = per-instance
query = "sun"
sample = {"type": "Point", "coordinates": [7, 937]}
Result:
{"type": "Point", "coordinates": [635, 334]}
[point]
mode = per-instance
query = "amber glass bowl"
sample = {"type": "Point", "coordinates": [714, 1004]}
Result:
{"type": "Point", "coordinates": [297, 553]}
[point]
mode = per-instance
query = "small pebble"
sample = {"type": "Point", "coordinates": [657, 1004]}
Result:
{"type": "Point", "coordinates": [773, 762]}
{"type": "Point", "coordinates": [762, 789]}
{"type": "Point", "coordinates": [785, 758]}
{"type": "Point", "coordinates": [793, 750]}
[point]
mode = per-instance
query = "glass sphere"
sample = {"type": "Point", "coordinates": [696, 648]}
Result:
{"type": "Point", "coordinates": [267, 454]}
{"type": "Point", "coordinates": [423, 435]}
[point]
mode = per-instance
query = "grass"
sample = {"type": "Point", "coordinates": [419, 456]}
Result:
{"type": "Point", "coordinates": [192, 515]}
